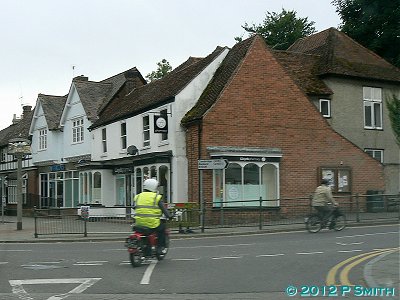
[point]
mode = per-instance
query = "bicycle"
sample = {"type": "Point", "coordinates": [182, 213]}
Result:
{"type": "Point", "coordinates": [337, 221]}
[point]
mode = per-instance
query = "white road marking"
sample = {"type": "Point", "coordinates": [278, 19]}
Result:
{"type": "Point", "coordinates": [88, 264]}
{"type": "Point", "coordinates": [366, 234]}
{"type": "Point", "coordinates": [227, 257]}
{"type": "Point", "coordinates": [270, 255]}
{"type": "Point", "coordinates": [213, 246]}
{"type": "Point", "coordinates": [92, 262]}
{"type": "Point", "coordinates": [19, 291]}
{"type": "Point", "coordinates": [349, 251]}
{"type": "Point", "coordinates": [3, 262]}
{"type": "Point", "coordinates": [149, 271]}
{"type": "Point", "coordinates": [15, 250]}
{"type": "Point", "coordinates": [185, 259]}
{"type": "Point", "coordinates": [344, 244]}
{"type": "Point", "coordinates": [309, 253]}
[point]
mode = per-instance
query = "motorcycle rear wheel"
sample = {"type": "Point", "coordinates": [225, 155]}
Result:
{"type": "Point", "coordinates": [161, 256]}
{"type": "Point", "coordinates": [136, 259]}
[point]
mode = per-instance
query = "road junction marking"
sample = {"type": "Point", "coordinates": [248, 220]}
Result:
{"type": "Point", "coordinates": [19, 291]}
{"type": "Point", "coordinates": [350, 263]}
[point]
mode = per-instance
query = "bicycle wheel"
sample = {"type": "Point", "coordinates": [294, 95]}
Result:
{"type": "Point", "coordinates": [313, 224]}
{"type": "Point", "coordinates": [339, 223]}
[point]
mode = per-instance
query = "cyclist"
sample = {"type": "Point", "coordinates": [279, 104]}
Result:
{"type": "Point", "coordinates": [149, 208]}
{"type": "Point", "coordinates": [323, 202]}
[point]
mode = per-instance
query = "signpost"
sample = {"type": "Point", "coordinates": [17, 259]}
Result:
{"type": "Point", "coordinates": [208, 164]}
{"type": "Point", "coordinates": [212, 164]}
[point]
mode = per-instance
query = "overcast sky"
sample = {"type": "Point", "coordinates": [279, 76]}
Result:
{"type": "Point", "coordinates": [41, 40]}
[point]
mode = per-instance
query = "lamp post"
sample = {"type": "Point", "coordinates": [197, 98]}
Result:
{"type": "Point", "coordinates": [19, 147]}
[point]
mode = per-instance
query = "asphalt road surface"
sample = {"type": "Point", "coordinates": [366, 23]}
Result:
{"type": "Point", "coordinates": [258, 266]}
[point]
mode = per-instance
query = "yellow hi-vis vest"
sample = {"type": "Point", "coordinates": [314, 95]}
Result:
{"type": "Point", "coordinates": [147, 212]}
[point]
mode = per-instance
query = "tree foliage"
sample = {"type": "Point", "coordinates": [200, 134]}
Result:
{"type": "Point", "coordinates": [281, 30]}
{"type": "Point", "coordinates": [393, 106]}
{"type": "Point", "coordinates": [375, 24]}
{"type": "Point", "coordinates": [163, 68]}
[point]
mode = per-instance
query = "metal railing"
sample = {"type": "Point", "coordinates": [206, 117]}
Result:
{"type": "Point", "coordinates": [250, 213]}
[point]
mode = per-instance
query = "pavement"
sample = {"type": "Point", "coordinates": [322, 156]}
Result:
{"type": "Point", "coordinates": [382, 271]}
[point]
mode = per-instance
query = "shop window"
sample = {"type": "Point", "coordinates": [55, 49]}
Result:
{"type": "Point", "coordinates": [120, 190]}
{"type": "Point", "coordinates": [244, 184]}
{"type": "Point", "coordinates": [97, 187]}
{"type": "Point", "coordinates": [339, 178]}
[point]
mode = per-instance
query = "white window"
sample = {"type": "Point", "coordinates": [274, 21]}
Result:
{"type": "Point", "coordinates": [104, 139]}
{"type": "Point", "coordinates": [372, 98]}
{"type": "Point", "coordinates": [123, 136]}
{"type": "Point", "coordinates": [43, 139]}
{"type": "Point", "coordinates": [77, 130]}
{"type": "Point", "coordinates": [375, 153]}
{"type": "Point", "coordinates": [146, 131]}
{"type": "Point", "coordinates": [244, 184]}
{"type": "Point", "coordinates": [325, 107]}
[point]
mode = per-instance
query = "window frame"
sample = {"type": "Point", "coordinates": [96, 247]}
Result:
{"type": "Point", "coordinates": [42, 139]}
{"type": "Point", "coordinates": [372, 102]}
{"type": "Point", "coordinates": [372, 151]}
{"type": "Point", "coordinates": [77, 130]}
{"type": "Point", "coordinates": [328, 101]}
{"type": "Point", "coordinates": [123, 139]}
{"type": "Point", "coordinates": [104, 139]}
{"type": "Point", "coordinates": [146, 131]}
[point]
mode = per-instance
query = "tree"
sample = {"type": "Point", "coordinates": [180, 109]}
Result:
{"type": "Point", "coordinates": [374, 24]}
{"type": "Point", "coordinates": [281, 30]}
{"type": "Point", "coordinates": [393, 106]}
{"type": "Point", "coordinates": [163, 69]}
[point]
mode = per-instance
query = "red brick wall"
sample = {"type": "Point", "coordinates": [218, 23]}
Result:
{"type": "Point", "coordinates": [263, 107]}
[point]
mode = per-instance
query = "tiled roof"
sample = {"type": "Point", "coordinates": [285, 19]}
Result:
{"type": "Point", "coordinates": [52, 108]}
{"type": "Point", "coordinates": [155, 93]}
{"type": "Point", "coordinates": [219, 81]}
{"type": "Point", "coordinates": [96, 95]}
{"type": "Point", "coordinates": [20, 129]}
{"type": "Point", "coordinates": [92, 95]}
{"type": "Point", "coordinates": [303, 68]}
{"type": "Point", "coordinates": [340, 55]}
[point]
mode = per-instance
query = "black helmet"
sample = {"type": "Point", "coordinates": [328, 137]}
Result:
{"type": "Point", "coordinates": [325, 181]}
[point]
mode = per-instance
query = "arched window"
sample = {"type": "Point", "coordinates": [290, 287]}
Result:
{"type": "Point", "coordinates": [251, 184]}
{"type": "Point", "coordinates": [269, 185]}
{"type": "Point", "coordinates": [97, 187]}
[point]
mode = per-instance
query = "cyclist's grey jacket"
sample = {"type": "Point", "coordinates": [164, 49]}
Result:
{"type": "Point", "coordinates": [323, 196]}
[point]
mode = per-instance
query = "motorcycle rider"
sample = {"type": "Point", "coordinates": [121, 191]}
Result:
{"type": "Point", "coordinates": [323, 201]}
{"type": "Point", "coordinates": [149, 208]}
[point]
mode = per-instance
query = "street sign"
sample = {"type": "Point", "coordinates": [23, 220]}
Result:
{"type": "Point", "coordinates": [212, 164]}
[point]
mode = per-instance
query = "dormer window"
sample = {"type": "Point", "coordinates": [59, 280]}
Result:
{"type": "Point", "coordinates": [325, 107]}
{"type": "Point", "coordinates": [77, 130]}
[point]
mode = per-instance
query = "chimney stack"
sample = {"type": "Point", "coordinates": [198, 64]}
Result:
{"type": "Point", "coordinates": [80, 78]}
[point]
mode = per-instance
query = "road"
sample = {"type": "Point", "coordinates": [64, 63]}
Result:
{"type": "Point", "coordinates": [238, 267]}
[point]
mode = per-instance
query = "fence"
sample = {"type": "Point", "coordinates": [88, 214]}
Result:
{"type": "Point", "coordinates": [111, 220]}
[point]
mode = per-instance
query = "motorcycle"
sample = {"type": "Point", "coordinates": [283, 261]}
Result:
{"type": "Point", "coordinates": [142, 245]}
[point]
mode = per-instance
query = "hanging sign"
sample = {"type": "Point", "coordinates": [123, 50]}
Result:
{"type": "Point", "coordinates": [160, 124]}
